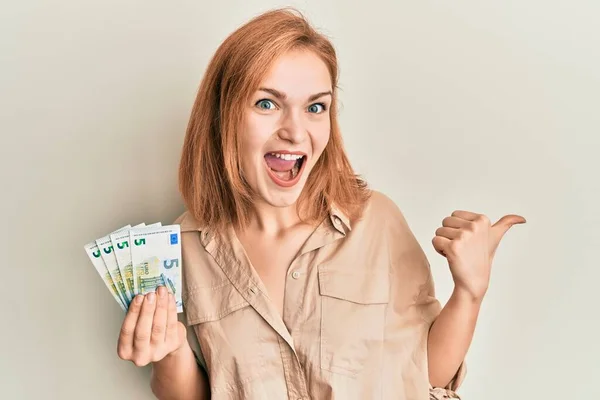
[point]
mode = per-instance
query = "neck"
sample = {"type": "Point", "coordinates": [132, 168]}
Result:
{"type": "Point", "coordinates": [272, 221]}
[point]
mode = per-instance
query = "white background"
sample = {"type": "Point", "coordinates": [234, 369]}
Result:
{"type": "Point", "coordinates": [486, 106]}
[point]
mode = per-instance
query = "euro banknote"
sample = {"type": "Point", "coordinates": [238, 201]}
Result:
{"type": "Point", "coordinates": [122, 252]}
{"type": "Point", "coordinates": [95, 255]}
{"type": "Point", "coordinates": [156, 259]}
{"type": "Point", "coordinates": [110, 261]}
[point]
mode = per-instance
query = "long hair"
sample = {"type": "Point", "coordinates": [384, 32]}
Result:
{"type": "Point", "coordinates": [210, 182]}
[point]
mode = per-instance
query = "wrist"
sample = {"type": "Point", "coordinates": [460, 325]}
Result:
{"type": "Point", "coordinates": [181, 350]}
{"type": "Point", "coordinates": [465, 296]}
{"type": "Point", "coordinates": [173, 357]}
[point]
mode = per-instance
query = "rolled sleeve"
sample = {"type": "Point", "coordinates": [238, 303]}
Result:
{"type": "Point", "coordinates": [449, 391]}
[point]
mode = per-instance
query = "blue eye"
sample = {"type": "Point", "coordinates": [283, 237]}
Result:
{"type": "Point", "coordinates": [265, 104]}
{"type": "Point", "coordinates": [314, 108]}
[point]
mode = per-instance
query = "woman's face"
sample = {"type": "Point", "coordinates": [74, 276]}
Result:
{"type": "Point", "coordinates": [286, 127]}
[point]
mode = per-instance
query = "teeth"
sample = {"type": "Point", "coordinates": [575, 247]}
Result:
{"type": "Point", "coordinates": [288, 157]}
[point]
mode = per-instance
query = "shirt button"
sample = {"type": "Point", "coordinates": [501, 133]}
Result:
{"type": "Point", "coordinates": [336, 220]}
{"type": "Point", "coordinates": [296, 275]}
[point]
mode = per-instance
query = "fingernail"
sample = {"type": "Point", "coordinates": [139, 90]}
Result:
{"type": "Point", "coordinates": [161, 291]}
{"type": "Point", "coordinates": [150, 297]}
{"type": "Point", "coordinates": [138, 299]}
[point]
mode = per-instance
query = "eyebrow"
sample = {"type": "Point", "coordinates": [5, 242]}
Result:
{"type": "Point", "coordinates": [283, 96]}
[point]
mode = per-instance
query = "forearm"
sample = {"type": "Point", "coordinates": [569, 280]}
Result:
{"type": "Point", "coordinates": [450, 337]}
{"type": "Point", "coordinates": [178, 377]}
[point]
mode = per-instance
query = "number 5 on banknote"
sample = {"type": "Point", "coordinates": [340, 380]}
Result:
{"type": "Point", "coordinates": [156, 259]}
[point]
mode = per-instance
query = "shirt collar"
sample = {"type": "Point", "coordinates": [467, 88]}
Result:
{"type": "Point", "coordinates": [188, 223]}
{"type": "Point", "coordinates": [340, 220]}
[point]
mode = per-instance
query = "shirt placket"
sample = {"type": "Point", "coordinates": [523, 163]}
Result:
{"type": "Point", "coordinates": [296, 288]}
{"type": "Point", "coordinates": [295, 291]}
{"type": "Point", "coordinates": [234, 263]}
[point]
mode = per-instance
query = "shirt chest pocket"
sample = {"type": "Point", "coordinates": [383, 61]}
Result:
{"type": "Point", "coordinates": [230, 333]}
{"type": "Point", "coordinates": [353, 307]}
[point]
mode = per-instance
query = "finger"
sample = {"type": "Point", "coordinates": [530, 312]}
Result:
{"type": "Point", "coordinates": [172, 329]}
{"type": "Point", "coordinates": [159, 324]}
{"type": "Point", "coordinates": [141, 336]}
{"type": "Point", "coordinates": [456, 222]}
{"type": "Point", "coordinates": [466, 215]}
{"type": "Point", "coordinates": [441, 245]}
{"type": "Point", "coordinates": [450, 233]}
{"type": "Point", "coordinates": [509, 220]}
{"type": "Point", "coordinates": [125, 344]}
{"type": "Point", "coordinates": [500, 228]}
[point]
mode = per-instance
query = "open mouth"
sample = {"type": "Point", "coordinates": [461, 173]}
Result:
{"type": "Point", "coordinates": [285, 168]}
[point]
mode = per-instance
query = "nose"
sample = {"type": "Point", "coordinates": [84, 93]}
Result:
{"type": "Point", "coordinates": [292, 128]}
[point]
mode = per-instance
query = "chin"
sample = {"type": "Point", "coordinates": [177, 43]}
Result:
{"type": "Point", "coordinates": [281, 198]}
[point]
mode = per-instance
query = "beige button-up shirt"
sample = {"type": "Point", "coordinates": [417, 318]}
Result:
{"type": "Point", "coordinates": [359, 301]}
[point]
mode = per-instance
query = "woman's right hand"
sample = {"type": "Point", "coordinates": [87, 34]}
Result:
{"type": "Point", "coordinates": [150, 330]}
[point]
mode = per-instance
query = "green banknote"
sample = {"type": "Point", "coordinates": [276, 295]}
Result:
{"type": "Point", "coordinates": [110, 260]}
{"type": "Point", "coordinates": [95, 255]}
{"type": "Point", "coordinates": [156, 259]}
{"type": "Point", "coordinates": [120, 243]}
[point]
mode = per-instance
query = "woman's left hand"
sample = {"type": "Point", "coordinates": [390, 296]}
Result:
{"type": "Point", "coordinates": [469, 242]}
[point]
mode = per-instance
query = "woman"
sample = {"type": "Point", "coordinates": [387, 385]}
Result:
{"type": "Point", "coordinates": [299, 281]}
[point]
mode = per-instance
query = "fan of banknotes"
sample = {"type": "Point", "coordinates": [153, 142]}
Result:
{"type": "Point", "coordinates": [139, 259]}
